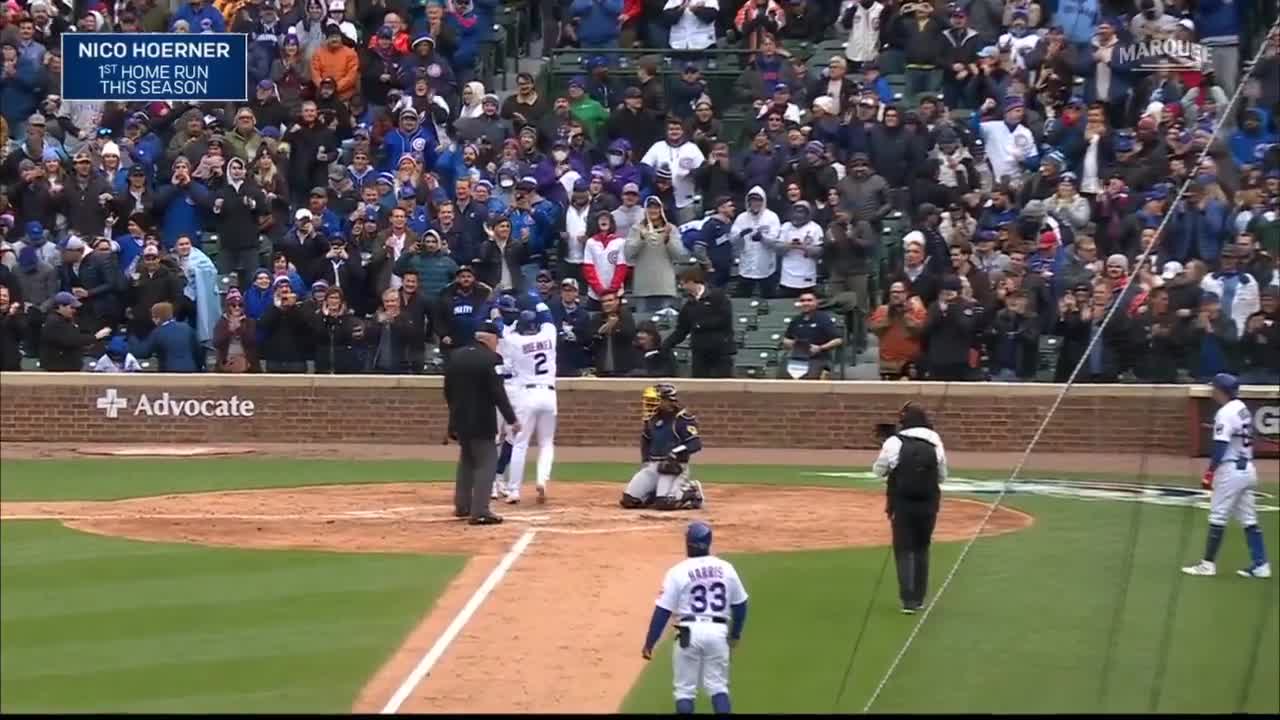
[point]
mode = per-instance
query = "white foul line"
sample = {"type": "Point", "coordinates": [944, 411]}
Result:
{"type": "Point", "coordinates": [437, 650]}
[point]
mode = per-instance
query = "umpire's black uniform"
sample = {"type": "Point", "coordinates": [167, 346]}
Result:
{"type": "Point", "coordinates": [475, 395]}
{"type": "Point", "coordinates": [914, 464]}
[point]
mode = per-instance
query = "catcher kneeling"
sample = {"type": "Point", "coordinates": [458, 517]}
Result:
{"type": "Point", "coordinates": [670, 436]}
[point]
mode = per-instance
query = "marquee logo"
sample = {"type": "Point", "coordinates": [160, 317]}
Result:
{"type": "Point", "coordinates": [112, 403]}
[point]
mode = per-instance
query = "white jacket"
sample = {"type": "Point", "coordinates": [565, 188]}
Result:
{"type": "Point", "coordinates": [1246, 301]}
{"type": "Point", "coordinates": [1006, 149]}
{"type": "Point", "coordinates": [864, 36]}
{"type": "Point", "coordinates": [757, 259]}
{"type": "Point", "coordinates": [690, 33]}
{"type": "Point", "coordinates": [888, 459]}
{"type": "Point", "coordinates": [800, 259]}
{"type": "Point", "coordinates": [684, 160]}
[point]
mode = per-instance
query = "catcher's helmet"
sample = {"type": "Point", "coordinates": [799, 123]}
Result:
{"type": "Point", "coordinates": [1227, 383]}
{"type": "Point", "coordinates": [653, 397]}
{"type": "Point", "coordinates": [697, 538]}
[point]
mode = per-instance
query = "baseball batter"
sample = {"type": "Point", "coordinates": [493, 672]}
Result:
{"type": "Point", "coordinates": [1232, 476]}
{"type": "Point", "coordinates": [529, 347]}
{"type": "Point", "coordinates": [710, 604]}
{"type": "Point", "coordinates": [669, 438]}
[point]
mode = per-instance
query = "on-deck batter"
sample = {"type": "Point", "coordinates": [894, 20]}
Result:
{"type": "Point", "coordinates": [1233, 476]}
{"type": "Point", "coordinates": [710, 604]}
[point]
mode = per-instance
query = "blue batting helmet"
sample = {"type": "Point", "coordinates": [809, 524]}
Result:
{"type": "Point", "coordinates": [697, 538]}
{"type": "Point", "coordinates": [1227, 383]}
{"type": "Point", "coordinates": [527, 323]}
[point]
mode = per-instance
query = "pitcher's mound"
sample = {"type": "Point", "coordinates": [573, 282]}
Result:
{"type": "Point", "coordinates": [154, 451]}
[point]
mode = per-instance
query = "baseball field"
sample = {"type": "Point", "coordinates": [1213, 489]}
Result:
{"type": "Point", "coordinates": [268, 584]}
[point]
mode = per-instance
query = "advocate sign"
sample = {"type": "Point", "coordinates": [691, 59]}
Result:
{"type": "Point", "coordinates": [113, 404]}
{"type": "Point", "coordinates": [155, 67]}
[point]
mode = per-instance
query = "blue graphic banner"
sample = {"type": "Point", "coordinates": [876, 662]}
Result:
{"type": "Point", "coordinates": [151, 67]}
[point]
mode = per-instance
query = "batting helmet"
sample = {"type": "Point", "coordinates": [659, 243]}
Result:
{"type": "Point", "coordinates": [527, 324]}
{"type": "Point", "coordinates": [1227, 383]}
{"type": "Point", "coordinates": [697, 538]}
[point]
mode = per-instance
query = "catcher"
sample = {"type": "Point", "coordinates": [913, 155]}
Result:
{"type": "Point", "coordinates": [669, 437]}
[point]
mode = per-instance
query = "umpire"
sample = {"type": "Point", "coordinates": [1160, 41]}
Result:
{"type": "Point", "coordinates": [914, 463]}
{"type": "Point", "coordinates": [475, 395]}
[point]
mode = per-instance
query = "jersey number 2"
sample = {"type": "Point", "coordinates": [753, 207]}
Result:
{"type": "Point", "coordinates": [698, 600]}
{"type": "Point", "coordinates": [540, 363]}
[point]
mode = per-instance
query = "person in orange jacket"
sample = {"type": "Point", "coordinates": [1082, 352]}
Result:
{"type": "Point", "coordinates": [335, 60]}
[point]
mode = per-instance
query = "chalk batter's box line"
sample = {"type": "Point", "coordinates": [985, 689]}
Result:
{"type": "Point", "coordinates": [62, 42]}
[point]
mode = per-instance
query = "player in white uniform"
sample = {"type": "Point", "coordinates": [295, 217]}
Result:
{"type": "Point", "coordinates": [506, 436]}
{"type": "Point", "coordinates": [710, 605]}
{"type": "Point", "coordinates": [1233, 476]}
{"type": "Point", "coordinates": [529, 347]}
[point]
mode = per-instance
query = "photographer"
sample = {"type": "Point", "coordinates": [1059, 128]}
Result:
{"type": "Point", "coordinates": [899, 324]}
{"type": "Point", "coordinates": [613, 333]}
{"type": "Point", "coordinates": [1013, 341]}
{"type": "Point", "coordinates": [948, 333]}
{"type": "Point", "coordinates": [913, 463]}
{"type": "Point", "coordinates": [240, 209]}
{"type": "Point", "coordinates": [338, 270]}
{"type": "Point", "coordinates": [285, 332]}
{"type": "Point", "coordinates": [338, 335]}
{"type": "Point", "coordinates": [397, 337]}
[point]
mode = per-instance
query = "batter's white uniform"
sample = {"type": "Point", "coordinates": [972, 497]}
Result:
{"type": "Point", "coordinates": [532, 389]}
{"type": "Point", "coordinates": [505, 433]}
{"type": "Point", "coordinates": [699, 591]}
{"type": "Point", "coordinates": [1236, 477]}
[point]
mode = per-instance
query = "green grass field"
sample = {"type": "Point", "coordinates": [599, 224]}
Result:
{"type": "Point", "coordinates": [1059, 617]}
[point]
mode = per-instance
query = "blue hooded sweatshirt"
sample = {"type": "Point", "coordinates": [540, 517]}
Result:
{"type": "Point", "coordinates": [1244, 144]}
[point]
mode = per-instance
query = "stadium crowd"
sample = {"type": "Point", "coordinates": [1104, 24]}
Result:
{"type": "Point", "coordinates": [374, 198]}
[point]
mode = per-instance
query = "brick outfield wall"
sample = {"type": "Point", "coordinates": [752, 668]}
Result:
{"type": "Point", "coordinates": [758, 413]}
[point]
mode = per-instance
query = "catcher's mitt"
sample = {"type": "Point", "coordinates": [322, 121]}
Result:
{"type": "Point", "coordinates": [670, 466]}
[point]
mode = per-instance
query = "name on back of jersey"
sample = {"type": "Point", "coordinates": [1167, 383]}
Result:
{"type": "Point", "coordinates": [706, 572]}
{"type": "Point", "coordinates": [537, 346]}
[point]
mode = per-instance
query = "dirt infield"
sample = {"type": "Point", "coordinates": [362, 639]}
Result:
{"type": "Point", "coordinates": [571, 608]}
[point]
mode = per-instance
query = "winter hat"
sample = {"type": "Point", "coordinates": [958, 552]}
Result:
{"type": "Point", "coordinates": [815, 147]}
{"type": "Point", "coordinates": [110, 148]}
{"type": "Point", "coordinates": [27, 258]}
{"type": "Point", "coordinates": [1118, 259]}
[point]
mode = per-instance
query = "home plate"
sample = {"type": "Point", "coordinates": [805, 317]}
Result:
{"type": "Point", "coordinates": [164, 450]}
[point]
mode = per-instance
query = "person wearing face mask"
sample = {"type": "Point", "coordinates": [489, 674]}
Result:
{"type": "Point", "coordinates": [622, 170]}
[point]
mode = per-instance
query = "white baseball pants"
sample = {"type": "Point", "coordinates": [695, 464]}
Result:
{"type": "Point", "coordinates": [536, 410]}
{"type": "Point", "coordinates": [1233, 495]}
{"type": "Point", "coordinates": [705, 662]}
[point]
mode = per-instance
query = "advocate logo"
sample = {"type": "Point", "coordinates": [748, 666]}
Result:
{"type": "Point", "coordinates": [1167, 54]}
{"type": "Point", "coordinates": [112, 403]}
{"type": "Point", "coordinates": [1083, 490]}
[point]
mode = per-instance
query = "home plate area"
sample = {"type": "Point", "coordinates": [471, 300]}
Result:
{"type": "Point", "coordinates": [418, 517]}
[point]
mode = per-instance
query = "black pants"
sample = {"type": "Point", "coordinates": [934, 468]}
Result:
{"type": "Point", "coordinates": [711, 365]}
{"type": "Point", "coordinates": [912, 534]}
{"type": "Point", "coordinates": [473, 479]}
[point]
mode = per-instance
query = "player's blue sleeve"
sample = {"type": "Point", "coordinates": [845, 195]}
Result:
{"type": "Point", "coordinates": [544, 314]}
{"type": "Point", "coordinates": [739, 613]}
{"type": "Point", "coordinates": [1219, 452]}
{"type": "Point", "coordinates": [656, 625]}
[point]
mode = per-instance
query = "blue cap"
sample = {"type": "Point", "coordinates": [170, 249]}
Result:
{"type": "Point", "coordinates": [407, 193]}
{"type": "Point", "coordinates": [371, 213]}
{"type": "Point", "coordinates": [34, 229]}
{"type": "Point", "coordinates": [1227, 383]}
{"type": "Point", "coordinates": [66, 298]}
{"type": "Point", "coordinates": [507, 303]}
{"type": "Point", "coordinates": [578, 81]}
{"type": "Point", "coordinates": [697, 538]}
{"type": "Point", "coordinates": [386, 177]}
{"type": "Point", "coordinates": [581, 185]}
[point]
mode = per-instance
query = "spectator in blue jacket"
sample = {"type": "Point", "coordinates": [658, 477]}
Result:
{"type": "Point", "coordinates": [180, 205]}
{"type": "Point", "coordinates": [20, 89]}
{"type": "Point", "coordinates": [597, 22]}
{"type": "Point", "coordinates": [174, 344]}
{"type": "Point", "coordinates": [1201, 224]}
{"type": "Point", "coordinates": [1252, 133]}
{"type": "Point", "coordinates": [197, 11]}
{"type": "Point", "coordinates": [533, 221]}
{"type": "Point", "coordinates": [412, 137]}
{"type": "Point", "coordinates": [472, 32]}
